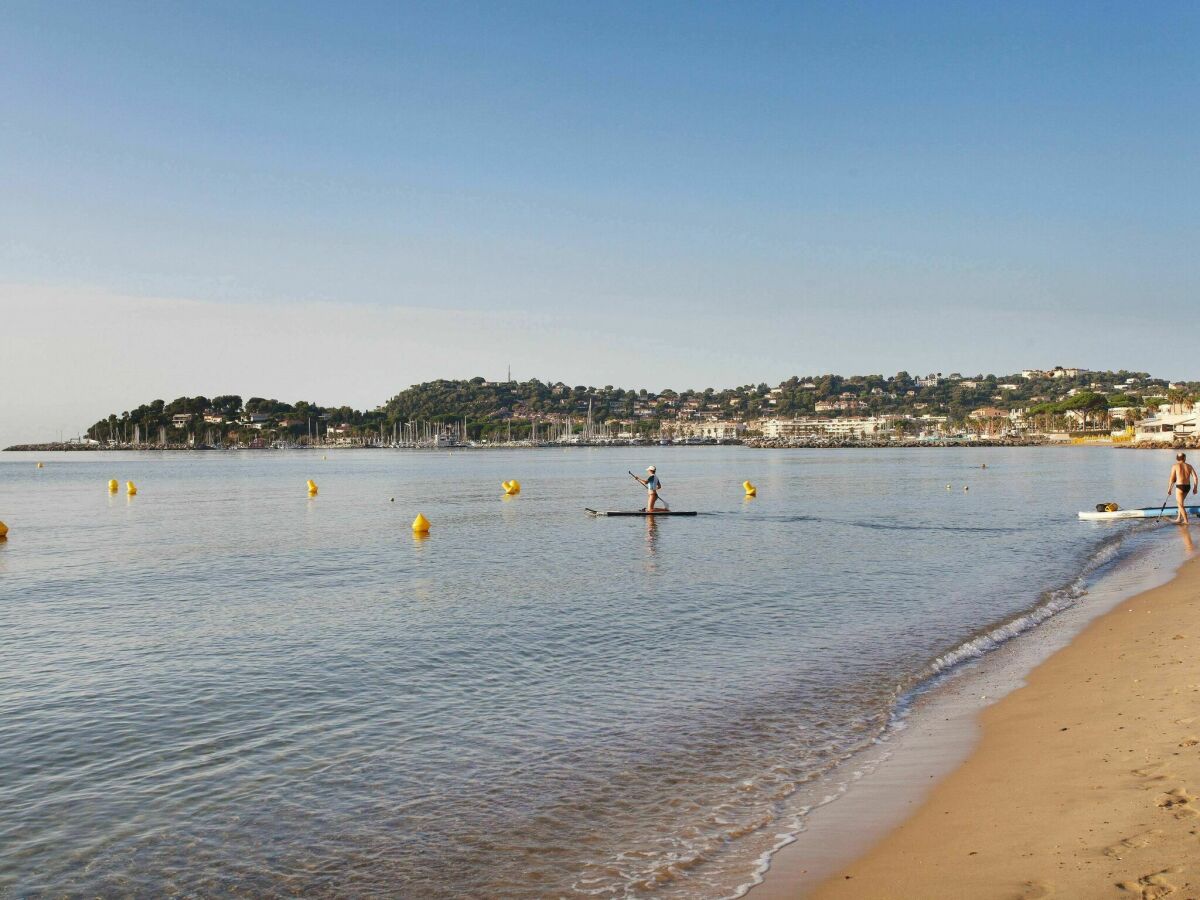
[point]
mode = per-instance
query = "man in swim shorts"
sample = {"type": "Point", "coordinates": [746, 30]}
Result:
{"type": "Point", "coordinates": [1183, 481]}
{"type": "Point", "coordinates": [652, 483]}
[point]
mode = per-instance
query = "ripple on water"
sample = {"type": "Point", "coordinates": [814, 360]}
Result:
{"type": "Point", "coordinates": [257, 694]}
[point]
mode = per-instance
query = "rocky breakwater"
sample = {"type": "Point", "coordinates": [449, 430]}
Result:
{"type": "Point", "coordinates": [1189, 442]}
{"type": "Point", "coordinates": [825, 443]}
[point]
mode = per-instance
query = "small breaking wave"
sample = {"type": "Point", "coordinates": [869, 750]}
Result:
{"type": "Point", "coordinates": [1049, 604]}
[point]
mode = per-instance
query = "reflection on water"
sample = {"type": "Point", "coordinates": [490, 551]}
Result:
{"type": "Point", "coordinates": [651, 536]}
{"type": "Point", "coordinates": [223, 686]}
{"type": "Point", "coordinates": [1185, 534]}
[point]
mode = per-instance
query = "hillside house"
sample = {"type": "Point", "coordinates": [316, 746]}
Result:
{"type": "Point", "coordinates": [988, 412]}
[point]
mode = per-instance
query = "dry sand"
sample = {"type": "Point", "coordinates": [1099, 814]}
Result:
{"type": "Point", "coordinates": [1085, 781]}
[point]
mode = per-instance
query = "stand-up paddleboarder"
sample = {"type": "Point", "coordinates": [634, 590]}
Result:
{"type": "Point", "coordinates": [652, 483]}
{"type": "Point", "coordinates": [1183, 481]}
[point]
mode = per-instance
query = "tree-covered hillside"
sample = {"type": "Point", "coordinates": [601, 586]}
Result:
{"type": "Point", "coordinates": [490, 408]}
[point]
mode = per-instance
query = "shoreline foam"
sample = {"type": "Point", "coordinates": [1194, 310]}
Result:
{"type": "Point", "coordinates": [1041, 807]}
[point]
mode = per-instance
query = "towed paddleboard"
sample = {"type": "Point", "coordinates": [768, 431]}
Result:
{"type": "Point", "coordinates": [638, 512]}
{"type": "Point", "coordinates": [1150, 512]}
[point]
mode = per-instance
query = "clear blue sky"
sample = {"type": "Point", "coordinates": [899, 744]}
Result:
{"type": "Point", "coordinates": [333, 201]}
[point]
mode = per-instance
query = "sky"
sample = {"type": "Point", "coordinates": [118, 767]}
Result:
{"type": "Point", "coordinates": [331, 202]}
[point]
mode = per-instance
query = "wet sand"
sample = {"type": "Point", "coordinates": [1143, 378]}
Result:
{"type": "Point", "coordinates": [1084, 783]}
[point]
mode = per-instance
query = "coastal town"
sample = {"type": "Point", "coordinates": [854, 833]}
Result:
{"type": "Point", "coordinates": [1033, 406]}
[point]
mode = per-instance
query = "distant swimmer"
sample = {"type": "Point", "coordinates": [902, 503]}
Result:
{"type": "Point", "coordinates": [653, 485]}
{"type": "Point", "coordinates": [1183, 481]}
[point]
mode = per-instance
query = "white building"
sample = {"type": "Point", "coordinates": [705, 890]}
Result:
{"type": "Point", "coordinates": [1165, 427]}
{"type": "Point", "coordinates": [710, 430]}
{"type": "Point", "coordinates": [849, 426]}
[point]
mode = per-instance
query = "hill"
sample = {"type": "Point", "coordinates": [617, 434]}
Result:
{"type": "Point", "coordinates": [478, 409]}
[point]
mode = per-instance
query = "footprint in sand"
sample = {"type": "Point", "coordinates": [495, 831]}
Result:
{"type": "Point", "coordinates": [1131, 843]}
{"type": "Point", "coordinates": [1179, 801]}
{"type": "Point", "coordinates": [1153, 773]}
{"type": "Point", "coordinates": [1152, 886]}
{"type": "Point", "coordinates": [1035, 890]}
{"type": "Point", "coordinates": [1189, 742]}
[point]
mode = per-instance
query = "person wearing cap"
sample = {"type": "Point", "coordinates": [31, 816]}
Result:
{"type": "Point", "coordinates": [1183, 481]}
{"type": "Point", "coordinates": [652, 484]}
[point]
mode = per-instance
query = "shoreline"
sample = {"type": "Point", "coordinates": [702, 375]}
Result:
{"type": "Point", "coordinates": [950, 815]}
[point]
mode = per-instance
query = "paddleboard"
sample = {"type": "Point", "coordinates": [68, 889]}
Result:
{"type": "Point", "coordinates": [1150, 512]}
{"type": "Point", "coordinates": [638, 512]}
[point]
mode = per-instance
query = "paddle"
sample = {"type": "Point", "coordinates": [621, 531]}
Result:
{"type": "Point", "coordinates": [666, 506]}
{"type": "Point", "coordinates": [1162, 508]}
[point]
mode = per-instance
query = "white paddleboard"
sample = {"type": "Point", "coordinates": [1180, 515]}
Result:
{"type": "Point", "coordinates": [1150, 512]}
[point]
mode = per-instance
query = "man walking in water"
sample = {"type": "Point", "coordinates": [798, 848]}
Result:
{"type": "Point", "coordinates": [1183, 481]}
{"type": "Point", "coordinates": [652, 483]}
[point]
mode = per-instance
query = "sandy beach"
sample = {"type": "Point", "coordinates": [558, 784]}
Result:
{"type": "Point", "coordinates": [1085, 782]}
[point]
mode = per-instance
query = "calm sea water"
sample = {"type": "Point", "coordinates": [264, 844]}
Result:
{"type": "Point", "coordinates": [221, 686]}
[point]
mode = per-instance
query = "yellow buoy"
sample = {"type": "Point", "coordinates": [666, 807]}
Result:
{"type": "Point", "coordinates": [130, 488]}
{"type": "Point", "coordinates": [511, 487]}
{"type": "Point", "coordinates": [3, 531]}
{"type": "Point", "coordinates": [751, 490]}
{"type": "Point", "coordinates": [39, 465]}
{"type": "Point", "coordinates": [112, 485]}
{"type": "Point", "coordinates": [312, 487]}
{"type": "Point", "coordinates": [420, 524]}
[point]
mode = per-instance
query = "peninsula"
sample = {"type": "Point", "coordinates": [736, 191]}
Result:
{"type": "Point", "coordinates": [1031, 406]}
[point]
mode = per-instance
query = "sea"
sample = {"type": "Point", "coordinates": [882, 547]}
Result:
{"type": "Point", "coordinates": [223, 686]}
